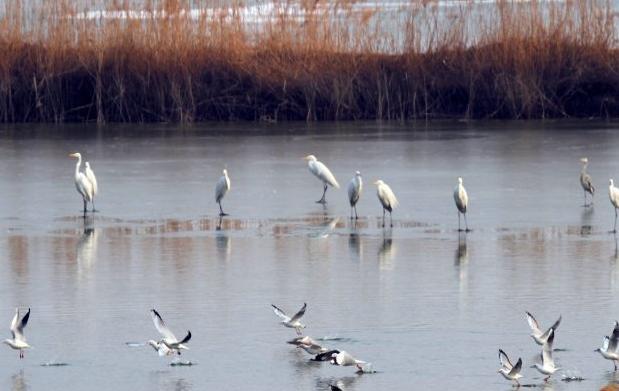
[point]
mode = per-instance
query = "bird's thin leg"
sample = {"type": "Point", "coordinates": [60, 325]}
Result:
{"type": "Point", "coordinates": [459, 222]}
{"type": "Point", "coordinates": [322, 200]}
{"type": "Point", "coordinates": [356, 216]}
{"type": "Point", "coordinates": [585, 193]}
{"type": "Point", "coordinates": [391, 219]}
{"type": "Point", "coordinates": [85, 207]}
{"type": "Point", "coordinates": [221, 211]}
{"type": "Point", "coordinates": [383, 217]}
{"type": "Point", "coordinates": [546, 379]}
{"type": "Point", "coordinates": [466, 224]}
{"type": "Point", "coordinates": [93, 206]}
{"type": "Point", "coordinates": [615, 227]}
{"type": "Point", "coordinates": [351, 208]}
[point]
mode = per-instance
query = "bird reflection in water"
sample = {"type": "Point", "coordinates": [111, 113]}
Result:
{"type": "Point", "coordinates": [87, 244]}
{"type": "Point", "coordinates": [354, 243]}
{"type": "Point", "coordinates": [461, 260]}
{"type": "Point", "coordinates": [586, 218]}
{"type": "Point", "coordinates": [387, 251]}
{"type": "Point", "coordinates": [19, 382]}
{"type": "Point", "coordinates": [326, 229]}
{"type": "Point", "coordinates": [343, 383]}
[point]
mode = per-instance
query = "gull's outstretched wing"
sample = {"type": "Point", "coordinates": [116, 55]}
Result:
{"type": "Point", "coordinates": [299, 314]}
{"type": "Point", "coordinates": [161, 326]}
{"type": "Point", "coordinates": [280, 313]}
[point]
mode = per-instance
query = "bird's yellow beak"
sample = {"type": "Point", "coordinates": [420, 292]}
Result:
{"type": "Point", "coordinates": [376, 182]}
{"type": "Point", "coordinates": [306, 157]}
{"type": "Point", "coordinates": [72, 155]}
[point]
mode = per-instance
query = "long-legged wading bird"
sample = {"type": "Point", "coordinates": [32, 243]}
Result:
{"type": "Point", "coordinates": [323, 173]}
{"type": "Point", "coordinates": [93, 181]}
{"type": "Point", "coordinates": [293, 322]}
{"type": "Point", "coordinates": [539, 336]}
{"type": "Point", "coordinates": [613, 194]}
{"type": "Point", "coordinates": [462, 203]}
{"type": "Point", "coordinates": [585, 181]}
{"type": "Point", "coordinates": [222, 187]}
{"type": "Point", "coordinates": [82, 184]}
{"type": "Point", "coordinates": [508, 370]}
{"type": "Point", "coordinates": [609, 346]}
{"type": "Point", "coordinates": [169, 339]}
{"type": "Point", "coordinates": [354, 192]}
{"type": "Point", "coordinates": [547, 366]}
{"type": "Point", "coordinates": [18, 342]}
{"type": "Point", "coordinates": [345, 359]}
{"type": "Point", "coordinates": [386, 198]}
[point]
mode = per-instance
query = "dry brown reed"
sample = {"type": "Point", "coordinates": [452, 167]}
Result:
{"type": "Point", "coordinates": [424, 60]}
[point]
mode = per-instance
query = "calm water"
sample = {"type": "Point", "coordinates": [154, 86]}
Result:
{"type": "Point", "coordinates": [427, 306]}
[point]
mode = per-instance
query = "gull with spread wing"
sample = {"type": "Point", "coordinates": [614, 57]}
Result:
{"type": "Point", "coordinates": [18, 342]}
{"type": "Point", "coordinates": [169, 340]}
{"type": "Point", "coordinates": [293, 322]}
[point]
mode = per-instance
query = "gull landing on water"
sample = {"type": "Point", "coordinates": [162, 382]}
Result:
{"type": "Point", "coordinates": [345, 359]}
{"type": "Point", "coordinates": [293, 322]}
{"type": "Point", "coordinates": [547, 367]}
{"type": "Point", "coordinates": [609, 347]}
{"type": "Point", "coordinates": [538, 336]}
{"type": "Point", "coordinates": [18, 342]}
{"type": "Point", "coordinates": [508, 370]}
{"type": "Point", "coordinates": [169, 340]}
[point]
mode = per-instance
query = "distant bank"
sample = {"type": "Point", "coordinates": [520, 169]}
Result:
{"type": "Point", "coordinates": [299, 60]}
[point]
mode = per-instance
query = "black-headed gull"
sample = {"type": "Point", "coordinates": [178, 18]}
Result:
{"type": "Point", "coordinates": [169, 339]}
{"type": "Point", "coordinates": [18, 342]}
{"type": "Point", "coordinates": [547, 366]}
{"type": "Point", "coordinates": [160, 348]}
{"type": "Point", "coordinates": [508, 370]}
{"type": "Point", "coordinates": [539, 336]}
{"type": "Point", "coordinates": [293, 322]}
{"type": "Point", "coordinates": [345, 359]}
{"type": "Point", "coordinates": [609, 347]}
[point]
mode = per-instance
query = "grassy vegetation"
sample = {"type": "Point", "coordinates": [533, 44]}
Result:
{"type": "Point", "coordinates": [504, 60]}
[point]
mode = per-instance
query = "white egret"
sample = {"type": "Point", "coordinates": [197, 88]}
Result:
{"type": "Point", "coordinates": [539, 336]}
{"type": "Point", "coordinates": [169, 339]}
{"type": "Point", "coordinates": [609, 346]}
{"type": "Point", "coordinates": [386, 198]}
{"type": "Point", "coordinates": [93, 181]}
{"type": "Point", "coordinates": [462, 201]}
{"type": "Point", "coordinates": [323, 173]}
{"type": "Point", "coordinates": [18, 342]}
{"type": "Point", "coordinates": [222, 187]}
{"type": "Point", "coordinates": [293, 322]}
{"type": "Point", "coordinates": [613, 194]}
{"type": "Point", "coordinates": [585, 181]}
{"type": "Point", "coordinates": [547, 366]}
{"type": "Point", "coordinates": [354, 192]}
{"type": "Point", "coordinates": [508, 370]}
{"type": "Point", "coordinates": [82, 184]}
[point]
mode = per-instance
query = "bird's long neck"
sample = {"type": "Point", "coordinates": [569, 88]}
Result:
{"type": "Point", "coordinates": [584, 168]}
{"type": "Point", "coordinates": [77, 166]}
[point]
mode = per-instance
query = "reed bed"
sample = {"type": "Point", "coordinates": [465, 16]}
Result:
{"type": "Point", "coordinates": [307, 60]}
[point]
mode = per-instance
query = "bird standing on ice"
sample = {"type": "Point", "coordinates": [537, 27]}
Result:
{"type": "Point", "coordinates": [462, 202]}
{"type": "Point", "coordinates": [323, 173]}
{"type": "Point", "coordinates": [386, 198]}
{"type": "Point", "coordinates": [93, 181]}
{"type": "Point", "coordinates": [354, 192]}
{"type": "Point", "coordinates": [82, 184]}
{"type": "Point", "coordinates": [18, 342]}
{"type": "Point", "coordinates": [222, 187]}
{"type": "Point", "coordinates": [585, 181]}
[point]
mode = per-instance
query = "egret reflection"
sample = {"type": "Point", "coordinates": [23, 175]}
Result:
{"type": "Point", "coordinates": [387, 251]}
{"type": "Point", "coordinates": [355, 246]}
{"type": "Point", "coordinates": [223, 245]}
{"type": "Point", "coordinates": [86, 250]}
{"type": "Point", "coordinates": [586, 221]}
{"type": "Point", "coordinates": [326, 229]}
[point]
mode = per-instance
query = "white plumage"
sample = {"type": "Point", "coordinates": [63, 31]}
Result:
{"type": "Point", "coordinates": [18, 342]}
{"type": "Point", "coordinates": [462, 202]}
{"type": "Point", "coordinates": [345, 359]}
{"type": "Point", "coordinates": [354, 192]}
{"type": "Point", "coordinates": [222, 187]}
{"type": "Point", "coordinates": [613, 194]}
{"type": "Point", "coordinates": [291, 322]}
{"type": "Point", "coordinates": [82, 183]}
{"type": "Point", "coordinates": [169, 339]}
{"type": "Point", "coordinates": [540, 337]}
{"type": "Point", "coordinates": [547, 366]}
{"type": "Point", "coordinates": [387, 199]}
{"type": "Point", "coordinates": [508, 370]}
{"type": "Point", "coordinates": [585, 181]}
{"type": "Point", "coordinates": [93, 181]}
{"type": "Point", "coordinates": [609, 346]}
{"type": "Point", "coordinates": [323, 173]}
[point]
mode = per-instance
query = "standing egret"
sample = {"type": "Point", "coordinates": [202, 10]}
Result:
{"type": "Point", "coordinates": [82, 184]}
{"type": "Point", "coordinates": [354, 192]}
{"type": "Point", "coordinates": [93, 181]}
{"type": "Point", "coordinates": [613, 193]}
{"type": "Point", "coordinates": [386, 198]}
{"type": "Point", "coordinates": [323, 173]}
{"type": "Point", "coordinates": [462, 202]}
{"type": "Point", "coordinates": [585, 181]}
{"type": "Point", "coordinates": [222, 187]}
{"type": "Point", "coordinates": [18, 342]}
